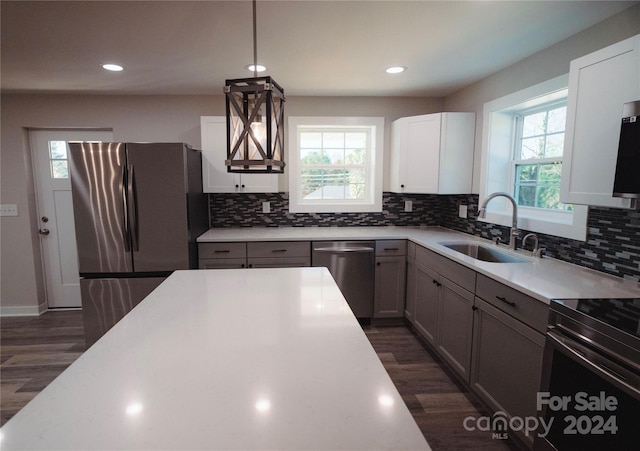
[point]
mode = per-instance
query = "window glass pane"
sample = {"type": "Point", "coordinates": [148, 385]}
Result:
{"type": "Point", "coordinates": [532, 148]}
{"type": "Point", "coordinates": [549, 197]}
{"type": "Point", "coordinates": [526, 196]}
{"type": "Point", "coordinates": [310, 183]}
{"type": "Point", "coordinates": [59, 169]}
{"type": "Point", "coordinates": [356, 183]}
{"type": "Point", "coordinates": [333, 140]}
{"type": "Point", "coordinates": [311, 140]}
{"type": "Point", "coordinates": [58, 150]}
{"type": "Point", "coordinates": [357, 139]}
{"type": "Point", "coordinates": [555, 144]}
{"type": "Point", "coordinates": [557, 120]}
{"type": "Point", "coordinates": [550, 174]}
{"type": "Point", "coordinates": [534, 124]}
{"type": "Point", "coordinates": [312, 156]}
{"type": "Point", "coordinates": [527, 173]}
{"type": "Point", "coordinates": [334, 156]}
{"type": "Point", "coordinates": [355, 156]}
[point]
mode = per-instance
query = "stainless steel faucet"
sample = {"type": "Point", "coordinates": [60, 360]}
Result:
{"type": "Point", "coordinates": [537, 251]}
{"type": "Point", "coordinates": [482, 212]}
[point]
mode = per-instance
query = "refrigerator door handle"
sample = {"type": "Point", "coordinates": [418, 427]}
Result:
{"type": "Point", "coordinates": [126, 232]}
{"type": "Point", "coordinates": [132, 195]}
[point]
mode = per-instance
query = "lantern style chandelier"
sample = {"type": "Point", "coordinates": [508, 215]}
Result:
{"type": "Point", "coordinates": [255, 121]}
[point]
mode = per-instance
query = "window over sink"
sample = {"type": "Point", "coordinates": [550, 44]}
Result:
{"type": "Point", "coordinates": [522, 150]}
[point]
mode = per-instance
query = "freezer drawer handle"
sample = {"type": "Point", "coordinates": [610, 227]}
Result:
{"type": "Point", "coordinates": [279, 251]}
{"type": "Point", "coordinates": [503, 299]}
{"type": "Point", "coordinates": [222, 252]}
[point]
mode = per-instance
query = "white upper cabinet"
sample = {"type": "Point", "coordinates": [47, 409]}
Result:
{"type": "Point", "coordinates": [599, 84]}
{"type": "Point", "coordinates": [215, 178]}
{"type": "Point", "coordinates": [432, 153]}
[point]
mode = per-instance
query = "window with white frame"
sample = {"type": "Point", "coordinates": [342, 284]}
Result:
{"type": "Point", "coordinates": [537, 160]}
{"type": "Point", "coordinates": [335, 164]}
{"type": "Point", "coordinates": [523, 140]}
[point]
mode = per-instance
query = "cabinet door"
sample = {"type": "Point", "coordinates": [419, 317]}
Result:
{"type": "Point", "coordinates": [507, 362]}
{"type": "Point", "coordinates": [389, 287]}
{"type": "Point", "coordinates": [599, 84]}
{"type": "Point", "coordinates": [215, 178]}
{"type": "Point", "coordinates": [416, 154]}
{"type": "Point", "coordinates": [411, 290]}
{"type": "Point", "coordinates": [455, 325]}
{"type": "Point", "coordinates": [427, 292]}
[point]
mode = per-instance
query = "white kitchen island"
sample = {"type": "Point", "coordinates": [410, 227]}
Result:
{"type": "Point", "coordinates": [225, 359]}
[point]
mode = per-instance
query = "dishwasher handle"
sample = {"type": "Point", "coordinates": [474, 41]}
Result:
{"type": "Point", "coordinates": [340, 250]}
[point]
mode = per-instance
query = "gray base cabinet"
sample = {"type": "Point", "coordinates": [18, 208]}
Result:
{"type": "Point", "coordinates": [443, 307]}
{"type": "Point", "coordinates": [508, 343]}
{"type": "Point", "coordinates": [390, 279]}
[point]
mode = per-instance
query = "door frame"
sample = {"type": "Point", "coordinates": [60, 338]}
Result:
{"type": "Point", "coordinates": [43, 304]}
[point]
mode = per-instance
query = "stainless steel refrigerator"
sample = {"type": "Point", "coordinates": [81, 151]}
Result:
{"type": "Point", "coordinates": [138, 209]}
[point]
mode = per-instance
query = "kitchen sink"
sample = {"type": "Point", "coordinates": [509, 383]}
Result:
{"type": "Point", "coordinates": [484, 253]}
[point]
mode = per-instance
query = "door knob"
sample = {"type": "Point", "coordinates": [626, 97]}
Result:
{"type": "Point", "coordinates": [44, 231]}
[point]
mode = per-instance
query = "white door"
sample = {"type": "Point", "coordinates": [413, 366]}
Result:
{"type": "Point", "coordinates": [49, 151]}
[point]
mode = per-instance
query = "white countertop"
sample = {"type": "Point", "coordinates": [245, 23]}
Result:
{"type": "Point", "coordinates": [225, 359]}
{"type": "Point", "coordinates": [543, 279]}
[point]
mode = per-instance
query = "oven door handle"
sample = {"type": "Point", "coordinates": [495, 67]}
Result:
{"type": "Point", "coordinates": [581, 355]}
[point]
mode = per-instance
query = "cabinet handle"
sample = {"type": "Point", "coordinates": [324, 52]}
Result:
{"type": "Point", "coordinates": [243, 186]}
{"type": "Point", "coordinates": [401, 186]}
{"type": "Point", "coordinates": [474, 308]}
{"type": "Point", "coordinates": [242, 265]}
{"type": "Point", "coordinates": [250, 265]}
{"type": "Point", "coordinates": [503, 299]}
{"type": "Point", "coordinates": [378, 263]}
{"type": "Point", "coordinates": [221, 252]}
{"type": "Point", "coordinates": [436, 283]}
{"type": "Point", "coordinates": [237, 186]}
{"type": "Point", "coordinates": [391, 249]}
{"type": "Point", "coordinates": [278, 251]}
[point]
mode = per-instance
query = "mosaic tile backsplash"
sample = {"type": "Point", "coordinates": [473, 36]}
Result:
{"type": "Point", "coordinates": [612, 246]}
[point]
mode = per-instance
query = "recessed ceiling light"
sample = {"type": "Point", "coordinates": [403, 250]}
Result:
{"type": "Point", "coordinates": [396, 69]}
{"type": "Point", "coordinates": [112, 67]}
{"type": "Point", "coordinates": [260, 68]}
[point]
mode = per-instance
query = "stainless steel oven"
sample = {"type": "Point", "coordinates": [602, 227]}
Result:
{"type": "Point", "coordinates": [590, 389]}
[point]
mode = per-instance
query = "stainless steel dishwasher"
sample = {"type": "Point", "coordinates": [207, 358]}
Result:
{"type": "Point", "coordinates": [352, 265]}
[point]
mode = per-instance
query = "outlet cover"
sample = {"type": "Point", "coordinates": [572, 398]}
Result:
{"type": "Point", "coordinates": [408, 206]}
{"type": "Point", "coordinates": [266, 207]}
{"type": "Point", "coordinates": [8, 210]}
{"type": "Point", "coordinates": [462, 211]}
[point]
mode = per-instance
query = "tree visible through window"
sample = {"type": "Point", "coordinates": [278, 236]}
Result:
{"type": "Point", "coordinates": [538, 157]}
{"type": "Point", "coordinates": [333, 163]}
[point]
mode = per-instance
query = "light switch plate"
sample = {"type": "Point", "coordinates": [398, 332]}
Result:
{"type": "Point", "coordinates": [408, 206]}
{"type": "Point", "coordinates": [266, 207]}
{"type": "Point", "coordinates": [8, 210]}
{"type": "Point", "coordinates": [462, 211]}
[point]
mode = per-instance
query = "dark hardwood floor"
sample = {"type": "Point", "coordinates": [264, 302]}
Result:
{"type": "Point", "coordinates": [35, 350]}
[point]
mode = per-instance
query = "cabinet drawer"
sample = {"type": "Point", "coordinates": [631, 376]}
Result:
{"type": "Point", "coordinates": [453, 271]}
{"type": "Point", "coordinates": [279, 262]}
{"type": "Point", "coordinates": [278, 249]}
{"type": "Point", "coordinates": [530, 311]}
{"type": "Point", "coordinates": [222, 250]}
{"type": "Point", "coordinates": [222, 263]}
{"type": "Point", "coordinates": [391, 247]}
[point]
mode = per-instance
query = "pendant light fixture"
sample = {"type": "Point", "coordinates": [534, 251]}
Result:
{"type": "Point", "coordinates": [255, 121]}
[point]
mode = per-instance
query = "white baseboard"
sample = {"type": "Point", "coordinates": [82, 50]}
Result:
{"type": "Point", "coordinates": [14, 310]}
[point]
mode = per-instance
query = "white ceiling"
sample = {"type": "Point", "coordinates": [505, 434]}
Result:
{"type": "Point", "coordinates": [311, 47]}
